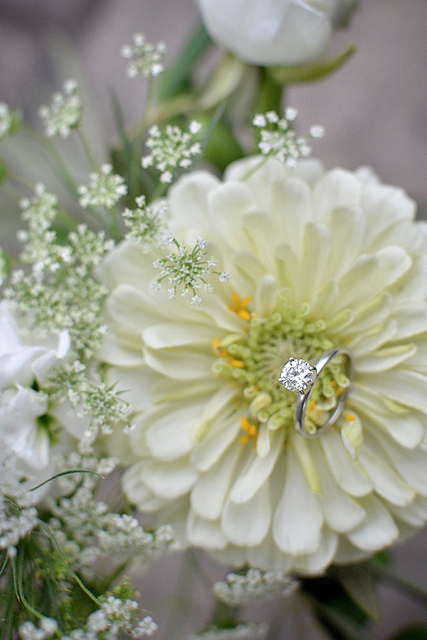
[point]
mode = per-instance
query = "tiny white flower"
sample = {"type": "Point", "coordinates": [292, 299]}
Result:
{"type": "Point", "coordinates": [145, 59]}
{"type": "Point", "coordinates": [105, 189]}
{"type": "Point", "coordinates": [64, 113]}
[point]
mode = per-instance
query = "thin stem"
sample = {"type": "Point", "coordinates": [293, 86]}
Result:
{"type": "Point", "coordinates": [84, 588]}
{"type": "Point", "coordinates": [254, 169]}
{"type": "Point", "coordinates": [393, 577]}
{"type": "Point", "coordinates": [58, 163]}
{"type": "Point", "coordinates": [17, 581]}
{"type": "Point", "coordinates": [21, 180]}
{"type": "Point", "coordinates": [87, 147]}
{"type": "Point", "coordinates": [339, 622]}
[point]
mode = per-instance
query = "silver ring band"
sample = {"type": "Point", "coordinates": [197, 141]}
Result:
{"type": "Point", "coordinates": [304, 396]}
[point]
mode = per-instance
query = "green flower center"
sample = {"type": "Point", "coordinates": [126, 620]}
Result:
{"type": "Point", "coordinates": [253, 360]}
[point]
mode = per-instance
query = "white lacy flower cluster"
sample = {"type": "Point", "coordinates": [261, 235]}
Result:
{"type": "Point", "coordinates": [17, 515]}
{"type": "Point", "coordinates": [7, 120]}
{"type": "Point", "coordinates": [187, 270]}
{"type": "Point", "coordinates": [87, 530]}
{"type": "Point", "coordinates": [59, 292]}
{"type": "Point", "coordinates": [243, 631]}
{"type": "Point", "coordinates": [171, 149]}
{"type": "Point", "coordinates": [105, 189]}
{"type": "Point", "coordinates": [114, 618]}
{"type": "Point", "coordinates": [319, 259]}
{"type": "Point", "coordinates": [46, 629]}
{"type": "Point", "coordinates": [145, 59]}
{"type": "Point", "coordinates": [96, 401]}
{"type": "Point", "coordinates": [279, 140]}
{"type": "Point", "coordinates": [64, 113]}
{"type": "Point", "coordinates": [147, 224]}
{"type": "Point", "coordinates": [252, 586]}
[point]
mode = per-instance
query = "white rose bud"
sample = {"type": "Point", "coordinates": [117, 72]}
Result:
{"type": "Point", "coordinates": [274, 32]}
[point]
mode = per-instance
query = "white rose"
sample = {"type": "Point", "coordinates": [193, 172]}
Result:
{"type": "Point", "coordinates": [274, 32]}
{"type": "Point", "coordinates": [21, 364]}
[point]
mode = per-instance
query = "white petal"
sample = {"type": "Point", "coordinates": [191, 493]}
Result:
{"type": "Point", "coordinates": [247, 524]}
{"type": "Point", "coordinates": [411, 464]}
{"type": "Point", "coordinates": [174, 334]}
{"type": "Point", "coordinates": [262, 232]}
{"type": "Point", "coordinates": [341, 512]}
{"type": "Point", "coordinates": [217, 440]}
{"type": "Point", "coordinates": [249, 268]}
{"type": "Point", "coordinates": [414, 514]}
{"type": "Point", "coordinates": [205, 533]}
{"type": "Point", "coordinates": [169, 480]}
{"type": "Point", "coordinates": [347, 227]}
{"type": "Point", "coordinates": [411, 319]}
{"type": "Point", "coordinates": [292, 207]}
{"type": "Point", "coordinates": [314, 259]}
{"type": "Point", "coordinates": [347, 552]}
{"type": "Point", "coordinates": [256, 472]}
{"type": "Point", "coordinates": [169, 434]}
{"type": "Point", "coordinates": [367, 342]}
{"type": "Point", "coordinates": [137, 492]}
{"type": "Point", "coordinates": [335, 190]}
{"type": "Point", "coordinates": [133, 384]}
{"type": "Point", "coordinates": [227, 203]}
{"type": "Point", "coordinates": [370, 315]}
{"type": "Point", "coordinates": [316, 562]}
{"type": "Point", "coordinates": [387, 483]}
{"type": "Point", "coordinates": [179, 364]}
{"type": "Point", "coordinates": [114, 351]}
{"type": "Point", "coordinates": [384, 206]}
{"type": "Point", "coordinates": [265, 300]}
{"type": "Point", "coordinates": [343, 468]}
{"type": "Point", "coordinates": [188, 201]}
{"type": "Point", "coordinates": [371, 274]}
{"type": "Point", "coordinates": [378, 528]}
{"type": "Point", "coordinates": [298, 519]}
{"type": "Point", "coordinates": [210, 491]}
{"type": "Point", "coordinates": [407, 387]}
{"type": "Point", "coordinates": [385, 359]}
{"type": "Point", "coordinates": [268, 556]}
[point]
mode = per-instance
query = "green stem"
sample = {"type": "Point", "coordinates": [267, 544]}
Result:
{"type": "Point", "coordinates": [394, 578]}
{"type": "Point", "coordinates": [254, 169]}
{"type": "Point", "coordinates": [16, 177]}
{"type": "Point", "coordinates": [18, 584]}
{"type": "Point", "coordinates": [87, 147]}
{"type": "Point", "coordinates": [55, 158]}
{"type": "Point", "coordinates": [84, 588]}
{"type": "Point", "coordinates": [337, 622]}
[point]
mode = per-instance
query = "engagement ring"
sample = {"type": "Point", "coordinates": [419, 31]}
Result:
{"type": "Point", "coordinates": [301, 376]}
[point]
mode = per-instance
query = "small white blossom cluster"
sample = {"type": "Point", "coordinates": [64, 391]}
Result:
{"type": "Point", "coordinates": [243, 631]}
{"type": "Point", "coordinates": [187, 270]}
{"type": "Point", "coordinates": [147, 223]}
{"type": "Point", "coordinates": [59, 292]}
{"type": "Point", "coordinates": [87, 530]}
{"type": "Point", "coordinates": [111, 620]}
{"type": "Point", "coordinates": [145, 59]}
{"type": "Point", "coordinates": [254, 585]}
{"type": "Point", "coordinates": [172, 148]}
{"type": "Point", "coordinates": [17, 515]}
{"type": "Point", "coordinates": [105, 189]}
{"type": "Point", "coordinates": [47, 629]}
{"type": "Point", "coordinates": [279, 140]}
{"type": "Point", "coordinates": [97, 401]}
{"type": "Point", "coordinates": [64, 113]}
{"type": "Point", "coordinates": [7, 120]}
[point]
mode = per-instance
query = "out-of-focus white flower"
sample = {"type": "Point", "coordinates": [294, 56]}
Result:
{"type": "Point", "coordinates": [7, 120]}
{"type": "Point", "coordinates": [274, 32]}
{"type": "Point", "coordinates": [145, 59]}
{"type": "Point", "coordinates": [243, 631]}
{"type": "Point", "coordinates": [319, 259]}
{"type": "Point", "coordinates": [105, 189]}
{"type": "Point", "coordinates": [64, 113]}
{"type": "Point", "coordinates": [22, 363]}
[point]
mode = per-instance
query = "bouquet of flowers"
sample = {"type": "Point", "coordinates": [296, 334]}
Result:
{"type": "Point", "coordinates": [216, 353]}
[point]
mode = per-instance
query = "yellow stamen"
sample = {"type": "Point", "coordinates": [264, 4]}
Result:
{"type": "Point", "coordinates": [215, 343]}
{"type": "Point", "coordinates": [251, 431]}
{"type": "Point", "coordinates": [313, 405]}
{"type": "Point", "coordinates": [239, 306]}
{"type": "Point", "coordinates": [348, 416]}
{"type": "Point", "coordinates": [236, 363]}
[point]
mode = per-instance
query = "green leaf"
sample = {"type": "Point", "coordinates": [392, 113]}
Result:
{"type": "Point", "coordinates": [224, 81]}
{"type": "Point", "coordinates": [175, 79]}
{"type": "Point", "coordinates": [412, 632]}
{"type": "Point", "coordinates": [222, 147]}
{"type": "Point", "coordinates": [3, 170]}
{"type": "Point", "coordinates": [358, 581]}
{"type": "Point", "coordinates": [310, 72]}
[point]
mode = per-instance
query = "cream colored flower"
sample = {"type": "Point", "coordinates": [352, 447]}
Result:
{"type": "Point", "coordinates": [318, 259]}
{"type": "Point", "coordinates": [274, 32]}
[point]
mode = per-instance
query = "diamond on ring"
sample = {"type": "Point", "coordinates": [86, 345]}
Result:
{"type": "Point", "coordinates": [298, 375]}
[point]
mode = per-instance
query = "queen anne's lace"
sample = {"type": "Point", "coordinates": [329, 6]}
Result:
{"type": "Point", "coordinates": [64, 113]}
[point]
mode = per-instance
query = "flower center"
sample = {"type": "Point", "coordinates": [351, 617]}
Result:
{"type": "Point", "coordinates": [253, 360]}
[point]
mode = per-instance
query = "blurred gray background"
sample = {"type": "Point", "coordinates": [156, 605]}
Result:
{"type": "Point", "coordinates": [374, 111]}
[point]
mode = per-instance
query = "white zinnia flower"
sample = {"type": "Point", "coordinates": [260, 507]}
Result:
{"type": "Point", "coordinates": [319, 259]}
{"type": "Point", "coordinates": [22, 362]}
{"type": "Point", "coordinates": [274, 32]}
